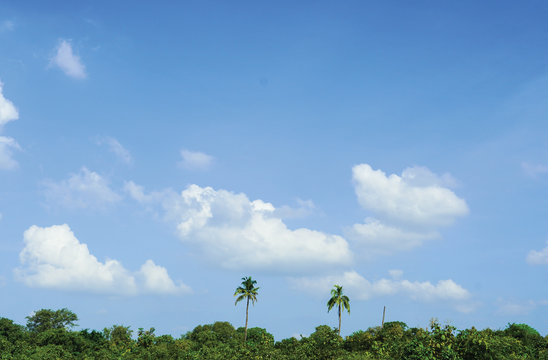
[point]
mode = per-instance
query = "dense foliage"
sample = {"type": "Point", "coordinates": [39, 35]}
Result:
{"type": "Point", "coordinates": [48, 335]}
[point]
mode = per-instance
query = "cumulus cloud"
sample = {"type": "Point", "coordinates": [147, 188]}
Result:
{"type": "Point", "coordinates": [86, 189]}
{"type": "Point", "coordinates": [157, 281]}
{"type": "Point", "coordinates": [406, 209]}
{"type": "Point", "coordinates": [538, 257]}
{"type": "Point", "coordinates": [195, 160]}
{"type": "Point", "coordinates": [54, 258]}
{"type": "Point", "coordinates": [238, 233]}
{"type": "Point", "coordinates": [116, 148]}
{"type": "Point", "coordinates": [8, 112]}
{"type": "Point", "coordinates": [360, 288]}
{"type": "Point", "coordinates": [68, 62]}
{"type": "Point", "coordinates": [417, 197]}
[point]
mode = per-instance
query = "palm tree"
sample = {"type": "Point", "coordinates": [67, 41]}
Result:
{"type": "Point", "coordinates": [342, 301]}
{"type": "Point", "coordinates": [246, 291]}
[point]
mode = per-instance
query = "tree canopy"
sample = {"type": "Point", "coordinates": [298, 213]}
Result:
{"type": "Point", "coordinates": [220, 340]}
{"type": "Point", "coordinates": [45, 319]}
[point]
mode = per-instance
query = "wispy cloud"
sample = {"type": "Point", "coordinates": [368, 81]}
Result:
{"type": "Point", "coordinates": [362, 289]}
{"type": "Point", "coordinates": [380, 237]}
{"type": "Point", "coordinates": [68, 62]}
{"type": "Point", "coordinates": [116, 148]}
{"type": "Point", "coordinates": [195, 160]}
{"type": "Point", "coordinates": [7, 145]}
{"type": "Point", "coordinates": [54, 258]}
{"type": "Point", "coordinates": [533, 170]}
{"type": "Point", "coordinates": [508, 307]}
{"type": "Point", "coordinates": [86, 189]}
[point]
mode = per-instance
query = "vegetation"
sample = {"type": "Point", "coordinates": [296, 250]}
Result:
{"type": "Point", "coordinates": [249, 292]}
{"type": "Point", "coordinates": [46, 319]}
{"type": "Point", "coordinates": [342, 302]}
{"type": "Point", "coordinates": [49, 335]}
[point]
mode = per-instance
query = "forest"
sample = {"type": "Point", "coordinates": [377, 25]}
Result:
{"type": "Point", "coordinates": [50, 334]}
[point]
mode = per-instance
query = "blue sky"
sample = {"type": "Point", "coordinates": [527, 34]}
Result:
{"type": "Point", "coordinates": [151, 155]}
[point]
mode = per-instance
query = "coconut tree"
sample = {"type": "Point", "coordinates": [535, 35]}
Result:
{"type": "Point", "coordinates": [248, 291]}
{"type": "Point", "coordinates": [342, 302]}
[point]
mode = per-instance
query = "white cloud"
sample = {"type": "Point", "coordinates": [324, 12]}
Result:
{"type": "Point", "coordinates": [357, 287]}
{"type": "Point", "coordinates": [116, 148]}
{"type": "Point", "coordinates": [421, 176]}
{"type": "Point", "coordinates": [168, 198]}
{"type": "Point", "coordinates": [416, 198]}
{"type": "Point", "coordinates": [68, 62]}
{"type": "Point", "coordinates": [137, 192]}
{"type": "Point", "coordinates": [241, 234]}
{"type": "Point", "coordinates": [538, 257]}
{"type": "Point", "coordinates": [195, 160]}
{"type": "Point", "coordinates": [54, 258]}
{"type": "Point", "coordinates": [533, 170]}
{"type": "Point", "coordinates": [8, 111]}
{"type": "Point", "coordinates": [407, 209]}
{"type": "Point", "coordinates": [8, 144]}
{"type": "Point", "coordinates": [86, 189]}
{"type": "Point", "coordinates": [381, 238]}
{"type": "Point", "coordinates": [157, 281]}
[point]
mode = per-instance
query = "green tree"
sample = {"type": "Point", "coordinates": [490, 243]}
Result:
{"type": "Point", "coordinates": [46, 319]}
{"type": "Point", "coordinates": [342, 302]}
{"type": "Point", "coordinates": [11, 331]}
{"type": "Point", "coordinates": [248, 291]}
{"type": "Point", "coordinates": [325, 344]}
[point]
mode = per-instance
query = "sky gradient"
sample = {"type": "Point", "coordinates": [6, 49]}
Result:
{"type": "Point", "coordinates": [152, 155]}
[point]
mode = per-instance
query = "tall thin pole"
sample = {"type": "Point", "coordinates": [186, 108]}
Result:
{"type": "Point", "coordinates": [383, 312]}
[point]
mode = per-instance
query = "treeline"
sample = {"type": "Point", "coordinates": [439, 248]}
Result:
{"type": "Point", "coordinates": [48, 334]}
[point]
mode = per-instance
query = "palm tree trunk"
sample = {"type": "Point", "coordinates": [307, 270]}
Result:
{"type": "Point", "coordinates": [339, 319]}
{"type": "Point", "coordinates": [246, 314]}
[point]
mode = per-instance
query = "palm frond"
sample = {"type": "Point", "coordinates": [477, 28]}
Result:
{"type": "Point", "coordinates": [247, 290]}
{"type": "Point", "coordinates": [337, 298]}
